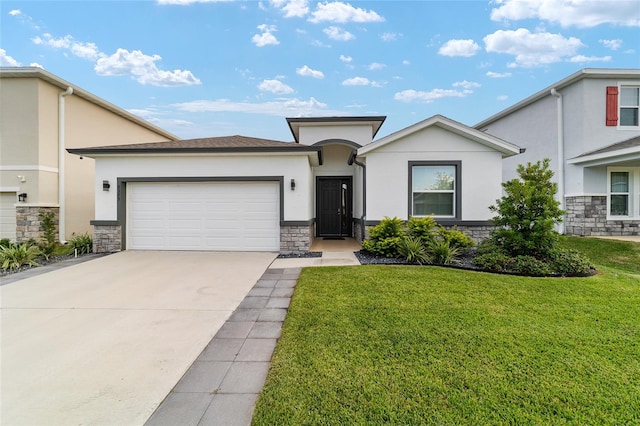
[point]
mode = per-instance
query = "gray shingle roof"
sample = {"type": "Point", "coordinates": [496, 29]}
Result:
{"type": "Point", "coordinates": [629, 143]}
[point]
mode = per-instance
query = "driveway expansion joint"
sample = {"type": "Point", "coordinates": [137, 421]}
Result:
{"type": "Point", "coordinates": [222, 385]}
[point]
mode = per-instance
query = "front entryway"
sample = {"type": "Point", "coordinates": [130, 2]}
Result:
{"type": "Point", "coordinates": [333, 207]}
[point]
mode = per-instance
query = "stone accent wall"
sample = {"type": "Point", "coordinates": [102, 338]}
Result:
{"type": "Point", "coordinates": [28, 222]}
{"type": "Point", "coordinates": [107, 238]}
{"type": "Point", "coordinates": [587, 216]}
{"type": "Point", "coordinates": [295, 239]}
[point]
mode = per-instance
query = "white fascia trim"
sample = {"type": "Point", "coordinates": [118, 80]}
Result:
{"type": "Point", "coordinates": [506, 148]}
{"type": "Point", "coordinates": [38, 204]}
{"type": "Point", "coordinates": [9, 188]}
{"type": "Point", "coordinates": [632, 153]}
{"type": "Point", "coordinates": [28, 169]}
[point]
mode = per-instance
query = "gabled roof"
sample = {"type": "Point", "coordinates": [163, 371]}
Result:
{"type": "Point", "coordinates": [220, 145]}
{"type": "Point", "coordinates": [620, 151]}
{"type": "Point", "coordinates": [295, 123]}
{"type": "Point", "coordinates": [599, 73]}
{"type": "Point", "coordinates": [35, 72]}
{"type": "Point", "coordinates": [506, 148]}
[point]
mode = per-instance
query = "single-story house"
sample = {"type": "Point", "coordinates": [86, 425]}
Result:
{"type": "Point", "coordinates": [334, 180]}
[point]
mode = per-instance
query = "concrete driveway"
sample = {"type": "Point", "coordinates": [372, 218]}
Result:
{"type": "Point", "coordinates": [103, 342]}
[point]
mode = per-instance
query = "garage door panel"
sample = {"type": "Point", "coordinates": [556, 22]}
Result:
{"type": "Point", "coordinates": [204, 216]}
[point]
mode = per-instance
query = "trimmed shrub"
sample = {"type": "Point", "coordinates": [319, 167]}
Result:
{"type": "Point", "coordinates": [456, 239]}
{"type": "Point", "coordinates": [570, 263]}
{"type": "Point", "coordinates": [422, 227]}
{"type": "Point", "coordinates": [530, 266]}
{"type": "Point", "coordinates": [413, 249]}
{"type": "Point", "coordinates": [385, 237]}
{"type": "Point", "coordinates": [48, 243]}
{"type": "Point", "coordinates": [493, 262]}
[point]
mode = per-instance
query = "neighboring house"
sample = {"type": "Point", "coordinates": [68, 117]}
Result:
{"type": "Point", "coordinates": [42, 115]}
{"type": "Point", "coordinates": [241, 193]}
{"type": "Point", "coordinates": [589, 126]}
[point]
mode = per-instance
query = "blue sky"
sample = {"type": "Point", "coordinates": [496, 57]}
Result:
{"type": "Point", "coordinates": [202, 68]}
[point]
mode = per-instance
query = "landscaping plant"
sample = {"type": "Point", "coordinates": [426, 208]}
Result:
{"type": "Point", "coordinates": [525, 240]}
{"type": "Point", "coordinates": [14, 256]}
{"type": "Point", "coordinates": [48, 242]}
{"type": "Point", "coordinates": [83, 243]}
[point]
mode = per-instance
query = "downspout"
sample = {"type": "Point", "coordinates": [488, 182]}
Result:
{"type": "Point", "coordinates": [560, 130]}
{"type": "Point", "coordinates": [363, 217]}
{"type": "Point", "coordinates": [61, 169]}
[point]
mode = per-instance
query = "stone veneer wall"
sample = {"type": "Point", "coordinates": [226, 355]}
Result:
{"type": "Point", "coordinates": [295, 239]}
{"type": "Point", "coordinates": [28, 222]}
{"type": "Point", "coordinates": [107, 238]}
{"type": "Point", "coordinates": [587, 216]}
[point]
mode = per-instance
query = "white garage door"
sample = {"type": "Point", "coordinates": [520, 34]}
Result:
{"type": "Point", "coordinates": [221, 216]}
{"type": "Point", "coordinates": [8, 215]}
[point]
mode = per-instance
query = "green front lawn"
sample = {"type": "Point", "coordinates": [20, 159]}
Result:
{"type": "Point", "coordinates": [428, 345]}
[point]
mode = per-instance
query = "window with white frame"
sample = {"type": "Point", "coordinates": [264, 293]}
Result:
{"type": "Point", "coordinates": [624, 192]}
{"type": "Point", "coordinates": [629, 106]}
{"type": "Point", "coordinates": [434, 189]}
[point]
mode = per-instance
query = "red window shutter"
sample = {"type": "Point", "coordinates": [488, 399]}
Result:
{"type": "Point", "coordinates": [612, 105]}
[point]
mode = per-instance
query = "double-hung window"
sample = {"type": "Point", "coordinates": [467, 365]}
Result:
{"type": "Point", "coordinates": [434, 189]}
{"type": "Point", "coordinates": [624, 192]}
{"type": "Point", "coordinates": [629, 106]}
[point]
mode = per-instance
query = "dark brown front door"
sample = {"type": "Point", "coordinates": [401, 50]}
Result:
{"type": "Point", "coordinates": [333, 207]}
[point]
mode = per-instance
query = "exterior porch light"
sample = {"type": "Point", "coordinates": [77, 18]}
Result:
{"type": "Point", "coordinates": [22, 197]}
{"type": "Point", "coordinates": [105, 185]}
{"type": "Point", "coordinates": [293, 184]}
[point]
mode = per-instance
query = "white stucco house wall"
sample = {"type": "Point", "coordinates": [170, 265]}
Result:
{"type": "Point", "coordinates": [588, 125]}
{"type": "Point", "coordinates": [332, 180]}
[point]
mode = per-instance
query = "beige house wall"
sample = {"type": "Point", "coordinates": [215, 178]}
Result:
{"type": "Point", "coordinates": [29, 141]}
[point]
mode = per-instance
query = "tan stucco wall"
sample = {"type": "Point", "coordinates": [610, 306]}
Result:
{"type": "Point", "coordinates": [29, 137]}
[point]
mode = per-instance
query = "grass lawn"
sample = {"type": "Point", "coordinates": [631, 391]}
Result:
{"type": "Point", "coordinates": [427, 345]}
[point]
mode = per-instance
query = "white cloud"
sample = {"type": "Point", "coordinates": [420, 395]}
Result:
{"type": "Point", "coordinates": [466, 85]}
{"type": "Point", "coordinates": [282, 107]}
{"type": "Point", "coordinates": [6, 60]}
{"type": "Point", "coordinates": [532, 49]}
{"type": "Point", "coordinates": [266, 38]}
{"type": "Point", "coordinates": [343, 12]}
{"type": "Point", "coordinates": [361, 81]}
{"type": "Point", "coordinates": [337, 33]}
{"type": "Point", "coordinates": [15, 12]}
{"type": "Point", "coordinates": [492, 74]}
{"type": "Point", "coordinates": [435, 94]}
{"type": "Point", "coordinates": [466, 48]}
{"type": "Point", "coordinates": [387, 37]}
{"type": "Point", "coordinates": [346, 59]}
{"type": "Point", "coordinates": [57, 43]}
{"type": "Point", "coordinates": [376, 66]}
{"type": "Point", "coordinates": [86, 50]}
{"type": "Point", "coordinates": [578, 13]}
{"type": "Point", "coordinates": [612, 44]}
{"type": "Point", "coordinates": [305, 71]}
{"type": "Point", "coordinates": [275, 86]}
{"type": "Point", "coordinates": [502, 97]}
{"type": "Point", "coordinates": [292, 8]}
{"type": "Point", "coordinates": [406, 62]}
{"type": "Point", "coordinates": [581, 59]}
{"type": "Point", "coordinates": [143, 69]}
{"type": "Point", "coordinates": [426, 97]}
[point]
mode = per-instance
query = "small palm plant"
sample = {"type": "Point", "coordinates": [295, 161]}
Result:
{"type": "Point", "coordinates": [412, 249]}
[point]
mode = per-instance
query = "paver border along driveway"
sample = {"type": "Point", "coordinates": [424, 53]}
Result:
{"type": "Point", "coordinates": [103, 342]}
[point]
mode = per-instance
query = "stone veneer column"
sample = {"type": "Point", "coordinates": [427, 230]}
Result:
{"type": "Point", "coordinates": [587, 216]}
{"type": "Point", "coordinates": [28, 223]}
{"type": "Point", "coordinates": [107, 238]}
{"type": "Point", "coordinates": [295, 239]}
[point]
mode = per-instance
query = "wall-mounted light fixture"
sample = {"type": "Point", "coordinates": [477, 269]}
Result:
{"type": "Point", "coordinates": [105, 185]}
{"type": "Point", "coordinates": [293, 184]}
{"type": "Point", "coordinates": [22, 179]}
{"type": "Point", "coordinates": [22, 197]}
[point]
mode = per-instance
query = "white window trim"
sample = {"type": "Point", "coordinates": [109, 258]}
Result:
{"type": "Point", "coordinates": [634, 193]}
{"type": "Point", "coordinates": [622, 84]}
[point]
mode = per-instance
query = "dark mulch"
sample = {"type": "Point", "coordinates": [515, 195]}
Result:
{"type": "Point", "coordinates": [41, 261]}
{"type": "Point", "coordinates": [301, 255]}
